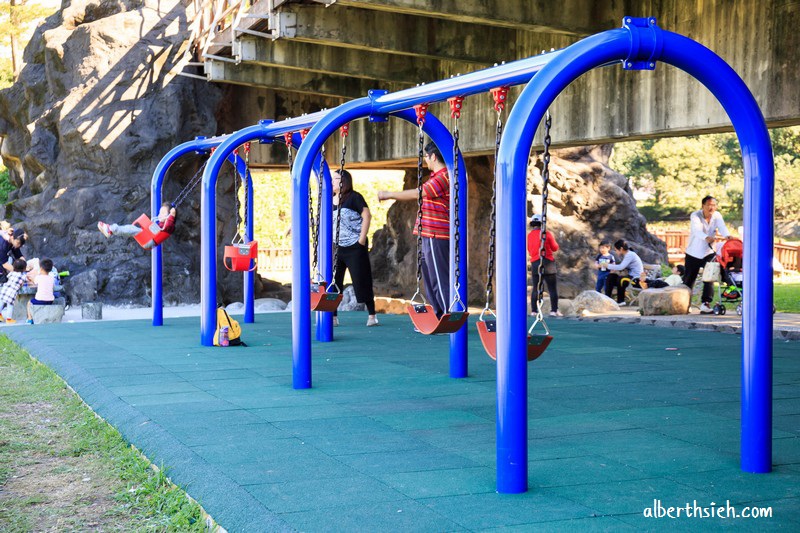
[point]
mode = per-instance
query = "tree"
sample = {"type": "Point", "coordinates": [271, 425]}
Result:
{"type": "Point", "coordinates": [680, 171]}
{"type": "Point", "coordinates": [17, 19]}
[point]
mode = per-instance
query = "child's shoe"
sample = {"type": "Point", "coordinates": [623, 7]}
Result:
{"type": "Point", "coordinates": [336, 321]}
{"type": "Point", "coordinates": [372, 321]}
{"type": "Point", "coordinates": [10, 321]}
{"type": "Point", "coordinates": [104, 229]}
{"type": "Point", "coordinates": [29, 321]}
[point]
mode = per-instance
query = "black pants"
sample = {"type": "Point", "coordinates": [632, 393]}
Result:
{"type": "Point", "coordinates": [614, 280]}
{"type": "Point", "coordinates": [436, 273]}
{"type": "Point", "coordinates": [552, 288]}
{"type": "Point", "coordinates": [356, 259]}
{"type": "Point", "coordinates": [693, 266]}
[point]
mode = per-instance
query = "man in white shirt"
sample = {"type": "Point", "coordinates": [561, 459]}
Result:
{"type": "Point", "coordinates": [703, 227]}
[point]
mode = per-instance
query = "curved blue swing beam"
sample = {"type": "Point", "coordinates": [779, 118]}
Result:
{"type": "Point", "coordinates": [638, 45]}
{"type": "Point", "coordinates": [199, 145]}
{"type": "Point", "coordinates": [301, 299]}
{"type": "Point", "coordinates": [266, 131]}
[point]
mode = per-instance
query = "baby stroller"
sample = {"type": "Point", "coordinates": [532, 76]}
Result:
{"type": "Point", "coordinates": [729, 290]}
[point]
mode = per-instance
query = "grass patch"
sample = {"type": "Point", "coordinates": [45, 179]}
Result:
{"type": "Point", "coordinates": [787, 297]}
{"type": "Point", "coordinates": [64, 469]}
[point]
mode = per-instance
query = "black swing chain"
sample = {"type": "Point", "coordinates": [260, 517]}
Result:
{"type": "Point", "coordinates": [456, 219]}
{"type": "Point", "coordinates": [420, 157]}
{"type": "Point", "coordinates": [236, 190]}
{"type": "Point", "coordinates": [315, 219]}
{"type": "Point", "coordinates": [543, 231]}
{"type": "Point", "coordinates": [339, 211]}
{"type": "Point", "coordinates": [493, 217]}
{"type": "Point", "coordinates": [245, 183]}
{"type": "Point", "coordinates": [198, 176]}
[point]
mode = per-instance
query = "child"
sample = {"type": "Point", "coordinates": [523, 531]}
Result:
{"type": "Point", "coordinates": [164, 222]}
{"type": "Point", "coordinates": [9, 291]}
{"type": "Point", "coordinates": [677, 275]}
{"type": "Point", "coordinates": [44, 284]}
{"type": "Point", "coordinates": [603, 259]}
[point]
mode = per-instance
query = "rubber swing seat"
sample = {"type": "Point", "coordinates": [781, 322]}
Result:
{"type": "Point", "coordinates": [322, 300]}
{"type": "Point", "coordinates": [147, 236]}
{"type": "Point", "coordinates": [487, 331]}
{"type": "Point", "coordinates": [424, 319]}
{"type": "Point", "coordinates": [241, 257]}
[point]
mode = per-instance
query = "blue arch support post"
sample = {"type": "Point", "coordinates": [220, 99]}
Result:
{"type": "Point", "coordinates": [327, 125]}
{"type": "Point", "coordinates": [638, 45]}
{"type": "Point", "coordinates": [266, 131]}
{"type": "Point", "coordinates": [325, 243]}
{"type": "Point", "coordinates": [208, 225]}
{"type": "Point", "coordinates": [199, 145]}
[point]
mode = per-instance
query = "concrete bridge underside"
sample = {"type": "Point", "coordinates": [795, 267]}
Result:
{"type": "Point", "coordinates": [322, 53]}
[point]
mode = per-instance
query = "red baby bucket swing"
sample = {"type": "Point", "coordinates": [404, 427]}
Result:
{"type": "Point", "coordinates": [241, 256]}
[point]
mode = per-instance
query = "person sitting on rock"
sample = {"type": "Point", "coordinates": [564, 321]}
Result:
{"type": "Point", "coordinates": [45, 284]}
{"type": "Point", "coordinates": [10, 289]}
{"type": "Point", "coordinates": [631, 262]}
{"type": "Point", "coordinates": [164, 222]}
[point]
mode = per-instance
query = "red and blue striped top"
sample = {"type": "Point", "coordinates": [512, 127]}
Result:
{"type": "Point", "coordinates": [436, 206]}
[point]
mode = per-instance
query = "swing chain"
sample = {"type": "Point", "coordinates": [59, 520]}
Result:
{"type": "Point", "coordinates": [198, 176]}
{"type": "Point", "coordinates": [287, 138]}
{"type": "Point", "coordinates": [543, 230]}
{"type": "Point", "coordinates": [499, 106]}
{"type": "Point", "coordinates": [455, 111]}
{"type": "Point", "coordinates": [245, 182]}
{"type": "Point", "coordinates": [315, 220]}
{"type": "Point", "coordinates": [420, 157]}
{"type": "Point", "coordinates": [344, 131]}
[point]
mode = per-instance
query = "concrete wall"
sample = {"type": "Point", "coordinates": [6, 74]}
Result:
{"type": "Point", "coordinates": [758, 38]}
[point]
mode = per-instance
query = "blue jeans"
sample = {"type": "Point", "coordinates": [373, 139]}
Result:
{"type": "Point", "coordinates": [601, 280]}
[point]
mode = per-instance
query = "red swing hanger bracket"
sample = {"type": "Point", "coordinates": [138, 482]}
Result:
{"type": "Point", "coordinates": [500, 96]}
{"type": "Point", "coordinates": [421, 110]}
{"type": "Point", "coordinates": [287, 138]}
{"type": "Point", "coordinates": [456, 102]}
{"type": "Point", "coordinates": [345, 130]}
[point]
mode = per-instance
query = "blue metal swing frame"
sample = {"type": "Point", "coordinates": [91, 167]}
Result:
{"type": "Point", "coordinates": [639, 44]}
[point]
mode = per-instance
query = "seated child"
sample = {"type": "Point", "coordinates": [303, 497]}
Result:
{"type": "Point", "coordinates": [677, 276]}
{"type": "Point", "coordinates": [603, 259]}
{"type": "Point", "coordinates": [44, 284]}
{"type": "Point", "coordinates": [9, 290]}
{"type": "Point", "coordinates": [164, 222]}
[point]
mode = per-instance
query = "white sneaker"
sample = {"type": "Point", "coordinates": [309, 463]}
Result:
{"type": "Point", "coordinates": [372, 321]}
{"type": "Point", "coordinates": [622, 304]}
{"type": "Point", "coordinates": [336, 321]}
{"type": "Point", "coordinates": [556, 313]}
{"type": "Point", "coordinates": [104, 229]}
{"type": "Point", "coordinates": [705, 309]}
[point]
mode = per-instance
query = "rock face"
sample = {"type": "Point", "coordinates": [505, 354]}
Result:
{"type": "Point", "coordinates": [588, 202]}
{"type": "Point", "coordinates": [94, 110]}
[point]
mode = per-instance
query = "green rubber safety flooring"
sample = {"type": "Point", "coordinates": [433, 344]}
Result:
{"type": "Point", "coordinates": [622, 419]}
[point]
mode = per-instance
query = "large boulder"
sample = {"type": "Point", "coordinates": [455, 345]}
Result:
{"type": "Point", "coordinates": [594, 302]}
{"type": "Point", "coordinates": [566, 306]}
{"type": "Point", "coordinates": [666, 301]}
{"type": "Point", "coordinates": [588, 202]}
{"type": "Point", "coordinates": [349, 302]}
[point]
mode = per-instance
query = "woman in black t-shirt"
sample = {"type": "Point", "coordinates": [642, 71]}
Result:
{"type": "Point", "coordinates": [353, 253]}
